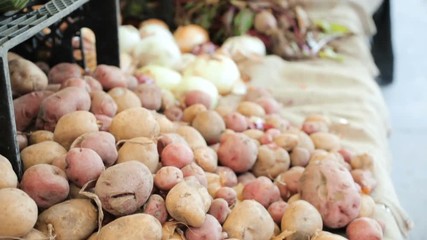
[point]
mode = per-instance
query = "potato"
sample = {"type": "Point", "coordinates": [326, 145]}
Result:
{"type": "Point", "coordinates": [8, 177]}
{"type": "Point", "coordinates": [245, 178]}
{"type": "Point", "coordinates": [103, 143]}
{"type": "Point", "coordinates": [132, 227]}
{"type": "Point", "coordinates": [210, 124]}
{"type": "Point", "coordinates": [168, 99]}
{"type": "Point", "coordinates": [269, 135]}
{"type": "Point", "coordinates": [367, 206]}
{"type": "Point", "coordinates": [219, 209]}
{"type": "Point", "coordinates": [249, 220]}
{"type": "Point", "coordinates": [167, 177]}
{"type": "Point", "coordinates": [63, 71]}
{"type": "Point", "coordinates": [167, 138]}
{"type": "Point", "coordinates": [104, 122]}
{"type": "Point", "coordinates": [206, 158]}
{"type": "Point", "coordinates": [269, 104]}
{"type": "Point", "coordinates": [102, 104]}
{"type": "Point", "coordinates": [26, 77]}
{"type": "Point", "coordinates": [303, 218]}
{"type": "Point", "coordinates": [365, 179]}
{"type": "Point", "coordinates": [238, 152]}
{"type": "Point", "coordinates": [362, 161]}
{"type": "Point", "coordinates": [261, 190]}
{"type": "Point", "coordinates": [18, 212]}
{"type": "Point", "coordinates": [236, 122]}
{"type": "Point", "coordinates": [311, 127]}
{"type": "Point", "coordinates": [197, 97]}
{"type": "Point", "coordinates": [83, 165]}
{"type": "Point", "coordinates": [124, 187]}
{"type": "Point", "coordinates": [35, 234]}
{"type": "Point", "coordinates": [271, 161]}
{"type": "Point", "coordinates": [276, 210]}
{"type": "Point", "coordinates": [228, 194]}
{"type": "Point", "coordinates": [254, 93]}
{"type": "Point", "coordinates": [66, 130]}
{"type": "Point", "coordinates": [150, 96]}
{"type": "Point", "coordinates": [124, 98]}
{"type": "Point", "coordinates": [53, 107]}
{"type": "Point", "coordinates": [364, 228]}
{"type": "Point", "coordinates": [328, 186]}
{"type": "Point", "coordinates": [94, 84]}
{"type": "Point", "coordinates": [174, 113]}
{"type": "Point", "coordinates": [191, 136]}
{"type": "Point", "coordinates": [165, 125]}
{"type": "Point", "coordinates": [288, 141]}
{"type": "Point", "coordinates": [40, 136]}
{"type": "Point", "coordinates": [177, 154]}
{"type": "Point", "coordinates": [72, 219]}
{"type": "Point", "coordinates": [44, 152]}
{"type": "Point", "coordinates": [276, 121]}
{"type": "Point", "coordinates": [289, 182]}
{"type": "Point", "coordinates": [156, 207]}
{"type": "Point", "coordinates": [46, 184]}
{"type": "Point", "coordinates": [26, 108]}
{"type": "Point", "coordinates": [211, 229]}
{"type": "Point", "coordinates": [326, 141]}
{"type": "Point", "coordinates": [188, 202]}
{"type": "Point", "coordinates": [110, 76]}
{"type": "Point", "coordinates": [214, 183]}
{"type": "Point", "coordinates": [134, 122]}
{"type": "Point", "coordinates": [190, 112]}
{"type": "Point", "coordinates": [322, 235]}
{"type": "Point", "coordinates": [141, 149]}
{"type": "Point", "coordinates": [294, 198]}
{"type": "Point", "coordinates": [227, 176]}
{"type": "Point", "coordinates": [250, 109]}
{"type": "Point", "coordinates": [300, 157]}
{"type": "Point", "coordinates": [193, 169]}
{"type": "Point", "coordinates": [76, 82]}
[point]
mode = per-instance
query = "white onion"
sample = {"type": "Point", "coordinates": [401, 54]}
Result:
{"type": "Point", "coordinates": [164, 77]}
{"type": "Point", "coordinates": [217, 68]}
{"type": "Point", "coordinates": [191, 83]}
{"type": "Point", "coordinates": [126, 63]}
{"type": "Point", "coordinates": [157, 50]}
{"type": "Point", "coordinates": [155, 30]}
{"type": "Point", "coordinates": [128, 38]}
{"type": "Point", "coordinates": [243, 47]}
{"type": "Point", "coordinates": [186, 59]}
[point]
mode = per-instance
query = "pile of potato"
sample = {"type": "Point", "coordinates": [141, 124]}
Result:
{"type": "Point", "coordinates": [109, 154]}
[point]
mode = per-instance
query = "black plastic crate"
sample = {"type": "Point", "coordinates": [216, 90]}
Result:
{"type": "Point", "coordinates": [19, 33]}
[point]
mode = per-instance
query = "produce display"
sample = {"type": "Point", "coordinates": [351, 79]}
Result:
{"type": "Point", "coordinates": [175, 144]}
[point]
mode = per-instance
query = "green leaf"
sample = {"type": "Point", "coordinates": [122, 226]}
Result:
{"type": "Point", "coordinates": [243, 21]}
{"type": "Point", "coordinates": [331, 28]}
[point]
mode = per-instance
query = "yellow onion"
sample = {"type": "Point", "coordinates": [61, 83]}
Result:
{"type": "Point", "coordinates": [189, 36]}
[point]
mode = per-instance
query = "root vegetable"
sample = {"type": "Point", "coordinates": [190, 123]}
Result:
{"type": "Point", "coordinates": [271, 161]}
{"type": "Point", "coordinates": [206, 158]}
{"type": "Point", "coordinates": [44, 152]}
{"type": "Point", "coordinates": [228, 194]}
{"type": "Point", "coordinates": [63, 71]}
{"type": "Point", "coordinates": [124, 98]}
{"type": "Point", "coordinates": [174, 113]}
{"type": "Point", "coordinates": [197, 97]}
{"type": "Point", "coordinates": [261, 190]}
{"type": "Point", "coordinates": [219, 209]}
{"type": "Point", "coordinates": [40, 136]}
{"type": "Point", "coordinates": [156, 207]}
{"type": "Point", "coordinates": [189, 36]}
{"type": "Point", "coordinates": [326, 141]}
{"type": "Point", "coordinates": [250, 109]}
{"type": "Point", "coordinates": [277, 210]}
{"type": "Point", "coordinates": [26, 77]}
{"type": "Point", "coordinates": [177, 155]}
{"type": "Point", "coordinates": [46, 184]}
{"type": "Point", "coordinates": [18, 212]}
{"type": "Point", "coordinates": [249, 220]}
{"type": "Point", "coordinates": [288, 141]}
{"type": "Point", "coordinates": [365, 179]}
{"type": "Point", "coordinates": [211, 229]}
{"type": "Point", "coordinates": [83, 165]}
{"type": "Point", "coordinates": [364, 228]}
{"type": "Point", "coordinates": [210, 125]}
{"type": "Point", "coordinates": [167, 177]}
{"type": "Point", "coordinates": [227, 176]}
{"type": "Point", "coordinates": [191, 136]}
{"type": "Point", "coordinates": [300, 157]}
{"type": "Point", "coordinates": [140, 149]}
{"type": "Point", "coordinates": [102, 104]}
{"type": "Point", "coordinates": [110, 76]}
{"type": "Point", "coordinates": [188, 202]}
{"type": "Point", "coordinates": [195, 170]}
{"type": "Point", "coordinates": [9, 178]}
{"type": "Point", "coordinates": [303, 219]}
{"type": "Point", "coordinates": [236, 122]}
{"type": "Point", "coordinates": [150, 96]}
{"type": "Point", "coordinates": [124, 187]}
{"type": "Point", "coordinates": [26, 108]}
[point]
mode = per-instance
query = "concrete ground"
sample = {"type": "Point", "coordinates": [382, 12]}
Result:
{"type": "Point", "coordinates": [407, 101]}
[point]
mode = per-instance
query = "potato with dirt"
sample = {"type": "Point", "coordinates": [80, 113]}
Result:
{"type": "Point", "coordinates": [26, 77]}
{"type": "Point", "coordinates": [53, 107]}
{"type": "Point", "coordinates": [26, 108]}
{"type": "Point", "coordinates": [46, 184]}
{"type": "Point", "coordinates": [123, 188]}
{"type": "Point", "coordinates": [329, 187]}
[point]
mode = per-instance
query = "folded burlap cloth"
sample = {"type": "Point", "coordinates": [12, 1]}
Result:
{"type": "Point", "coordinates": [344, 91]}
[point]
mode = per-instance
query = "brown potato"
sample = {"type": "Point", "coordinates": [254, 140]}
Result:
{"type": "Point", "coordinates": [26, 77]}
{"type": "Point", "coordinates": [40, 136]}
{"type": "Point", "coordinates": [63, 71]}
{"type": "Point", "coordinates": [124, 98]}
{"type": "Point", "coordinates": [210, 124]}
{"type": "Point", "coordinates": [150, 96]}
{"type": "Point", "coordinates": [141, 149]}
{"type": "Point", "coordinates": [44, 152]}
{"type": "Point", "coordinates": [8, 177]}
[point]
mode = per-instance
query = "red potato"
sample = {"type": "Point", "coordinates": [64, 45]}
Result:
{"type": "Point", "coordinates": [150, 96]}
{"type": "Point", "coordinates": [276, 210]}
{"type": "Point", "coordinates": [346, 154]}
{"type": "Point", "coordinates": [125, 187]}
{"type": "Point", "coordinates": [110, 76]}
{"type": "Point", "coordinates": [167, 138]}
{"type": "Point", "coordinates": [103, 143]}
{"type": "Point", "coordinates": [227, 176]}
{"type": "Point", "coordinates": [63, 71]}
{"type": "Point", "coordinates": [83, 165]}
{"type": "Point", "coordinates": [26, 108]}
{"type": "Point", "coordinates": [245, 178]}
{"type": "Point", "coordinates": [156, 207]}
{"type": "Point", "coordinates": [104, 122]}
{"type": "Point", "coordinates": [276, 121]}
{"type": "Point", "coordinates": [250, 109]}
{"type": "Point", "coordinates": [211, 229]}
{"type": "Point", "coordinates": [190, 112]}
{"type": "Point", "coordinates": [365, 179]}
{"type": "Point", "coordinates": [210, 124]}
{"type": "Point", "coordinates": [124, 98]}
{"type": "Point", "coordinates": [269, 135]}
{"type": "Point", "coordinates": [262, 190]}
{"type": "Point", "coordinates": [271, 161]}
{"type": "Point", "coordinates": [300, 157]}
{"type": "Point", "coordinates": [219, 209]}
{"type": "Point", "coordinates": [195, 170]}
{"type": "Point", "coordinates": [236, 122]}
{"type": "Point", "coordinates": [311, 127]}
{"type": "Point", "coordinates": [174, 113]}
{"type": "Point", "coordinates": [165, 125]}
{"type": "Point", "coordinates": [197, 97]}
{"type": "Point", "coordinates": [103, 104]}
{"type": "Point", "coordinates": [26, 77]}
{"type": "Point", "coordinates": [53, 107]}
{"type": "Point", "coordinates": [206, 158]}
{"type": "Point", "coordinates": [288, 141]}
{"type": "Point", "coordinates": [76, 82]}
{"type": "Point", "coordinates": [288, 182]}
{"type": "Point", "coordinates": [228, 194]}
{"type": "Point", "coordinates": [364, 229]}
{"type": "Point", "coordinates": [329, 186]}
{"type": "Point", "coordinates": [269, 104]}
{"type": "Point", "coordinates": [167, 177]}
{"type": "Point", "coordinates": [94, 84]}
{"type": "Point", "coordinates": [46, 184]}
{"type": "Point", "coordinates": [214, 183]}
{"type": "Point", "coordinates": [177, 154]}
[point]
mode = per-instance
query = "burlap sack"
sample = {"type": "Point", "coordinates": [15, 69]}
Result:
{"type": "Point", "coordinates": [344, 91]}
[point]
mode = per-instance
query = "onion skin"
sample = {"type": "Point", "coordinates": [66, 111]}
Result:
{"type": "Point", "coordinates": [190, 36]}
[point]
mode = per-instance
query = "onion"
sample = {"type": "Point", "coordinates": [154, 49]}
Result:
{"type": "Point", "coordinates": [126, 63]}
{"type": "Point", "coordinates": [243, 47]}
{"type": "Point", "coordinates": [186, 59]}
{"type": "Point", "coordinates": [164, 77]}
{"type": "Point", "coordinates": [128, 38]}
{"type": "Point", "coordinates": [265, 22]}
{"type": "Point", "coordinates": [191, 83]}
{"type": "Point", "coordinates": [217, 68]}
{"type": "Point", "coordinates": [157, 50]}
{"type": "Point", "coordinates": [154, 21]}
{"type": "Point", "coordinates": [190, 36]}
{"type": "Point", "coordinates": [154, 30]}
